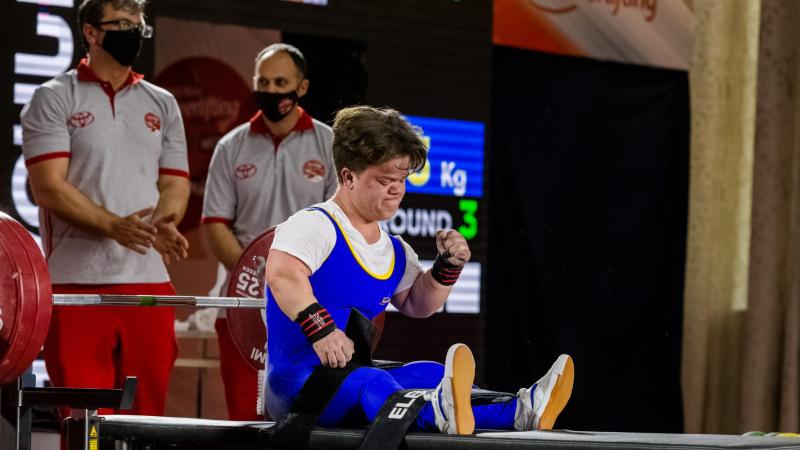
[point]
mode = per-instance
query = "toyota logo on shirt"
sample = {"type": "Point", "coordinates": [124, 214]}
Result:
{"type": "Point", "coordinates": [245, 171]}
{"type": "Point", "coordinates": [81, 119]}
{"type": "Point", "coordinates": [152, 121]}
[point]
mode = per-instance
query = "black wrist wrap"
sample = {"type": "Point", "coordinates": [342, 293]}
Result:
{"type": "Point", "coordinates": [443, 271]}
{"type": "Point", "coordinates": [315, 322]}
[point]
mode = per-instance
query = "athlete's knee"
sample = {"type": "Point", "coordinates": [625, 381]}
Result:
{"type": "Point", "coordinates": [373, 378]}
{"type": "Point", "coordinates": [419, 374]}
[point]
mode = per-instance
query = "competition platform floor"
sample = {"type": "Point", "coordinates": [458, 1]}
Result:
{"type": "Point", "coordinates": [152, 433]}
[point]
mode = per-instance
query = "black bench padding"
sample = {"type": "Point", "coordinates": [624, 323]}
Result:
{"type": "Point", "coordinates": [182, 433]}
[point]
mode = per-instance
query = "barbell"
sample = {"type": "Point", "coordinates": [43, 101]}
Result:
{"type": "Point", "coordinates": [156, 300]}
{"type": "Point", "coordinates": [26, 300]}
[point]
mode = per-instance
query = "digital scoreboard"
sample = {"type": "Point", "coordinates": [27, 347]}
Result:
{"type": "Point", "coordinates": [447, 193]}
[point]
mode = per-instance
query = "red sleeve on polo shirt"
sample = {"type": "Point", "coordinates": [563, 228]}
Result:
{"type": "Point", "coordinates": [173, 172]}
{"type": "Point", "coordinates": [45, 157]}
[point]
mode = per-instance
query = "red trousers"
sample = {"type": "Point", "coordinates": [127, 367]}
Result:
{"type": "Point", "coordinates": [98, 346]}
{"type": "Point", "coordinates": [240, 380]}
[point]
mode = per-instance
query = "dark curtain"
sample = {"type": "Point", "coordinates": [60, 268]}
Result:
{"type": "Point", "coordinates": [588, 213]}
{"type": "Point", "coordinates": [337, 72]}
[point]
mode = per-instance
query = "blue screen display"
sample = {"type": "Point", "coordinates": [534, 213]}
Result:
{"type": "Point", "coordinates": [455, 158]}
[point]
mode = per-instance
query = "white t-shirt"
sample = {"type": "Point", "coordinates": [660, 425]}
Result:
{"type": "Point", "coordinates": [310, 237]}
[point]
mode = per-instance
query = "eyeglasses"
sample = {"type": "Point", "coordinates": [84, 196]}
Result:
{"type": "Point", "coordinates": [127, 25]}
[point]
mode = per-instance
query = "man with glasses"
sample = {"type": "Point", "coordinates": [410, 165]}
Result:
{"type": "Point", "coordinates": [106, 155]}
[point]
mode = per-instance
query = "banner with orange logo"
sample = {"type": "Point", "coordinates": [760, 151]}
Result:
{"type": "Point", "coordinates": [647, 32]}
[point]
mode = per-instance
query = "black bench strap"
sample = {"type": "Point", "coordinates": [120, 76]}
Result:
{"type": "Point", "coordinates": [294, 430]}
{"type": "Point", "coordinates": [393, 420]}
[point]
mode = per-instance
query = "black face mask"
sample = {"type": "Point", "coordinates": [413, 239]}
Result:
{"type": "Point", "coordinates": [275, 106]}
{"type": "Point", "coordinates": [123, 46]}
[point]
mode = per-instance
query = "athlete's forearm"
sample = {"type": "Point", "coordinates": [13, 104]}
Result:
{"type": "Point", "coordinates": [173, 197]}
{"type": "Point", "coordinates": [223, 243]}
{"type": "Point", "coordinates": [425, 297]}
{"type": "Point", "coordinates": [291, 295]}
{"type": "Point", "coordinates": [287, 278]}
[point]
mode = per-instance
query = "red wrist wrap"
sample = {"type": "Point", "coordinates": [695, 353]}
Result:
{"type": "Point", "coordinates": [315, 322]}
{"type": "Point", "coordinates": [443, 271]}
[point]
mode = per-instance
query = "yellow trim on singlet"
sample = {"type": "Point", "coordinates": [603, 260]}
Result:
{"type": "Point", "coordinates": [358, 259]}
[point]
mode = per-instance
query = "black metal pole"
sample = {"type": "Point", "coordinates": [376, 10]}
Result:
{"type": "Point", "coordinates": [15, 418]}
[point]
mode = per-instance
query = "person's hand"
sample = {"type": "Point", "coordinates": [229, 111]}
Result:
{"type": "Point", "coordinates": [334, 350]}
{"type": "Point", "coordinates": [452, 244]}
{"type": "Point", "coordinates": [172, 245]}
{"type": "Point", "coordinates": [133, 232]}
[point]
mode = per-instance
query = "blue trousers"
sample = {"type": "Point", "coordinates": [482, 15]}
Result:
{"type": "Point", "coordinates": [364, 391]}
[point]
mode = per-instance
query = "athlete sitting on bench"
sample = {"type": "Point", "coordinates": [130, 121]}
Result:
{"type": "Point", "coordinates": [334, 256]}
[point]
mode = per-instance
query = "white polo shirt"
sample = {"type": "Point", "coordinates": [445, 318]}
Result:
{"type": "Point", "coordinates": [256, 180]}
{"type": "Point", "coordinates": [118, 143]}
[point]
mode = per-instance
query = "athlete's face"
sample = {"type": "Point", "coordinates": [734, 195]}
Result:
{"type": "Point", "coordinates": [378, 190]}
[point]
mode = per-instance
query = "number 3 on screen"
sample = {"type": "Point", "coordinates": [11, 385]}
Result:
{"type": "Point", "coordinates": [470, 228]}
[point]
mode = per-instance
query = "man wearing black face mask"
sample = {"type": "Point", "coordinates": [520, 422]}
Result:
{"type": "Point", "coordinates": [261, 173]}
{"type": "Point", "coordinates": [106, 155]}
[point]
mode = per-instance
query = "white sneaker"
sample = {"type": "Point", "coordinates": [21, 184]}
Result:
{"type": "Point", "coordinates": [539, 406]}
{"type": "Point", "coordinates": [451, 400]}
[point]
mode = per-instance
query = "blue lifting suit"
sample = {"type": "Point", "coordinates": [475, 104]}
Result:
{"type": "Point", "coordinates": [341, 283]}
